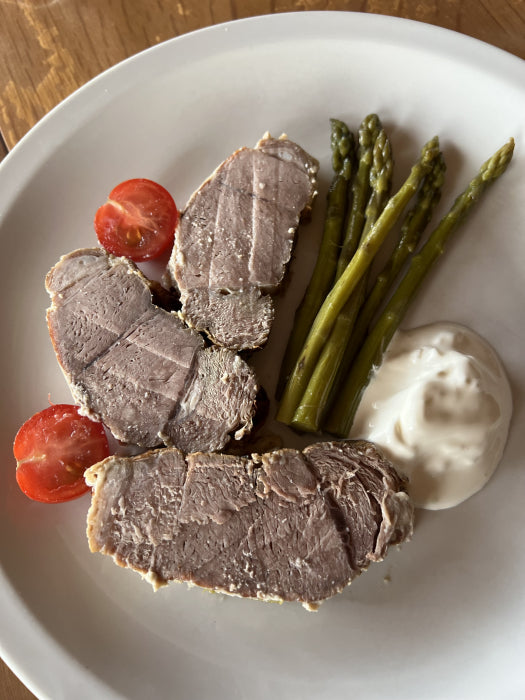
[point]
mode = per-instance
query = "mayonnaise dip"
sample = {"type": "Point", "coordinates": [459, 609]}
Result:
{"type": "Point", "coordinates": [439, 407]}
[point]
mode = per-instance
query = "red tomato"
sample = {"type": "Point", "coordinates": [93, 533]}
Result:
{"type": "Point", "coordinates": [53, 449]}
{"type": "Point", "coordinates": [138, 221]}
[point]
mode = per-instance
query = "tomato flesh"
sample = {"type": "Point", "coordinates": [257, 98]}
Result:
{"type": "Point", "coordinates": [53, 449]}
{"type": "Point", "coordinates": [138, 220]}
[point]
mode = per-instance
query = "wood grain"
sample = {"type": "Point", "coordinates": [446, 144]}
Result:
{"type": "Point", "coordinates": [3, 148]}
{"type": "Point", "coordinates": [51, 47]}
{"type": "Point", "coordinates": [10, 687]}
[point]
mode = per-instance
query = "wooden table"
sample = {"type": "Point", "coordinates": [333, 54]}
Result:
{"type": "Point", "coordinates": [51, 47]}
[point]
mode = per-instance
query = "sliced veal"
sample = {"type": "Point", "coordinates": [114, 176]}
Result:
{"type": "Point", "coordinates": [285, 525]}
{"type": "Point", "coordinates": [235, 238]}
{"type": "Point", "coordinates": [138, 368]}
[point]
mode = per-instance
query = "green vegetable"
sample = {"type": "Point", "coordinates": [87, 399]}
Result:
{"type": "Point", "coordinates": [371, 354]}
{"type": "Point", "coordinates": [314, 403]}
{"type": "Point", "coordinates": [411, 231]}
{"type": "Point", "coordinates": [368, 133]}
{"type": "Point", "coordinates": [341, 291]}
{"type": "Point", "coordinates": [343, 159]}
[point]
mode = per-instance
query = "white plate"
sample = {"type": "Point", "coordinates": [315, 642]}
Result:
{"type": "Point", "coordinates": [450, 624]}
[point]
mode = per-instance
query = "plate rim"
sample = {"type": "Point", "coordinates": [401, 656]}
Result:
{"type": "Point", "coordinates": [416, 27]}
{"type": "Point", "coordinates": [14, 171]}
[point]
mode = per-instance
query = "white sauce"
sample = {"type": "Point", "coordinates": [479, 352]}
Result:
{"type": "Point", "coordinates": [439, 407]}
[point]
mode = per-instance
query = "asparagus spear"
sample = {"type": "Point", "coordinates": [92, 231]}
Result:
{"type": "Point", "coordinates": [411, 231]}
{"type": "Point", "coordinates": [341, 291]}
{"type": "Point", "coordinates": [312, 408]}
{"type": "Point", "coordinates": [343, 157]}
{"type": "Point", "coordinates": [368, 133]}
{"type": "Point", "coordinates": [375, 345]}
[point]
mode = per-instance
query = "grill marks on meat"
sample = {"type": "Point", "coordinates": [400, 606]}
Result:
{"type": "Point", "coordinates": [138, 368]}
{"type": "Point", "coordinates": [285, 525]}
{"type": "Point", "coordinates": [235, 238]}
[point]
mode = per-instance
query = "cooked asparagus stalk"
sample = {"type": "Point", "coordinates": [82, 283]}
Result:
{"type": "Point", "coordinates": [343, 158]}
{"type": "Point", "coordinates": [371, 353]}
{"type": "Point", "coordinates": [314, 403]}
{"type": "Point", "coordinates": [368, 133]}
{"type": "Point", "coordinates": [411, 231]}
{"type": "Point", "coordinates": [341, 291]}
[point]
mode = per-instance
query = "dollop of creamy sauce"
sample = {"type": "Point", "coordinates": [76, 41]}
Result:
{"type": "Point", "coordinates": [439, 406]}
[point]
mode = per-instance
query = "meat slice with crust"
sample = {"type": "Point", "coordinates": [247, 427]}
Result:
{"type": "Point", "coordinates": [235, 239]}
{"type": "Point", "coordinates": [285, 525]}
{"type": "Point", "coordinates": [138, 368]}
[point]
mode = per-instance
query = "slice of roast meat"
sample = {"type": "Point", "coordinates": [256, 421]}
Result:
{"type": "Point", "coordinates": [138, 368]}
{"type": "Point", "coordinates": [235, 239]}
{"type": "Point", "coordinates": [285, 525]}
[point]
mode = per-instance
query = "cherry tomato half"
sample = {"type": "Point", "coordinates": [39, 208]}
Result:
{"type": "Point", "coordinates": [53, 449]}
{"type": "Point", "coordinates": [138, 220]}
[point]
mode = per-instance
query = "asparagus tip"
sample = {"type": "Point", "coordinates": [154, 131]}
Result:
{"type": "Point", "coordinates": [342, 144]}
{"type": "Point", "coordinates": [430, 150]}
{"type": "Point", "coordinates": [497, 164]}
